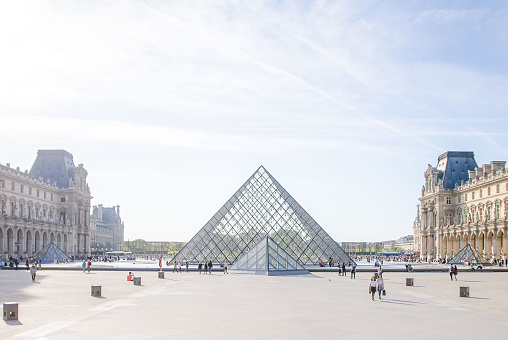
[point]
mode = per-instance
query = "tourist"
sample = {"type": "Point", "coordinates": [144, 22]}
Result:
{"type": "Point", "coordinates": [160, 263]}
{"type": "Point", "coordinates": [40, 263]}
{"type": "Point", "coordinates": [200, 265]}
{"type": "Point", "coordinates": [187, 266]}
{"type": "Point", "coordinates": [455, 270]}
{"type": "Point", "coordinates": [174, 268]}
{"type": "Point", "coordinates": [179, 266]}
{"type": "Point", "coordinates": [16, 261]}
{"type": "Point", "coordinates": [451, 270]}
{"type": "Point", "coordinates": [379, 271]}
{"type": "Point", "coordinates": [206, 267]}
{"type": "Point", "coordinates": [226, 267]}
{"type": "Point", "coordinates": [372, 287]}
{"type": "Point", "coordinates": [83, 265]}
{"type": "Point", "coordinates": [33, 271]}
{"type": "Point", "coordinates": [339, 269]}
{"type": "Point", "coordinates": [88, 265]}
{"type": "Point", "coordinates": [27, 263]}
{"type": "Point", "coordinates": [380, 285]}
{"type": "Point", "coordinates": [210, 265]}
{"type": "Point", "coordinates": [353, 271]}
{"type": "Point", "coordinates": [344, 268]}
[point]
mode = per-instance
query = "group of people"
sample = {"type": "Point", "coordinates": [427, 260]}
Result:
{"type": "Point", "coordinates": [377, 284]}
{"type": "Point", "coordinates": [178, 266]}
{"type": "Point", "coordinates": [207, 266]}
{"type": "Point", "coordinates": [86, 265]}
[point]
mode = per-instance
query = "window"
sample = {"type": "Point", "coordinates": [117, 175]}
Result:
{"type": "Point", "coordinates": [448, 218]}
{"type": "Point", "coordinates": [458, 199]}
{"type": "Point", "coordinates": [37, 192]}
{"type": "Point", "coordinates": [30, 190]}
{"type": "Point", "coordinates": [465, 197]}
{"type": "Point", "coordinates": [472, 195]}
{"type": "Point", "coordinates": [448, 200]}
{"type": "Point", "coordinates": [52, 196]}
{"type": "Point", "coordinates": [44, 194]}
{"type": "Point", "coordinates": [488, 191]}
{"type": "Point", "coordinates": [13, 186]}
{"type": "Point", "coordinates": [1, 184]}
{"type": "Point", "coordinates": [62, 199]}
{"type": "Point", "coordinates": [497, 188]}
{"type": "Point", "coordinates": [21, 188]}
{"type": "Point", "coordinates": [481, 193]}
{"type": "Point", "coordinates": [497, 210]}
{"type": "Point", "coordinates": [20, 210]}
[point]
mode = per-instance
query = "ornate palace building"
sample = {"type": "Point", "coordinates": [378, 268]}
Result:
{"type": "Point", "coordinates": [51, 203]}
{"type": "Point", "coordinates": [107, 229]}
{"type": "Point", "coordinates": [462, 204]}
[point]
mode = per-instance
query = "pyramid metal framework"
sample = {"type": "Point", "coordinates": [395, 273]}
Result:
{"type": "Point", "coordinates": [50, 253]}
{"type": "Point", "coordinates": [468, 254]}
{"type": "Point", "coordinates": [260, 208]}
{"type": "Point", "coordinates": [267, 258]}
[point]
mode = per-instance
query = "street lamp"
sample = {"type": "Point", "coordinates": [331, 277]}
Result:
{"type": "Point", "coordinates": [17, 246]}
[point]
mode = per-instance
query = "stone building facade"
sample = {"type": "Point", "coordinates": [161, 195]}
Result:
{"type": "Point", "coordinates": [462, 204]}
{"type": "Point", "coordinates": [49, 203]}
{"type": "Point", "coordinates": [107, 229]}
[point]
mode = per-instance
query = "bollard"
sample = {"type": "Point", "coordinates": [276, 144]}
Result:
{"type": "Point", "coordinates": [10, 311]}
{"type": "Point", "coordinates": [410, 281]}
{"type": "Point", "coordinates": [96, 290]}
{"type": "Point", "coordinates": [136, 280]}
{"type": "Point", "coordinates": [464, 291]}
{"type": "Point", "coordinates": [161, 275]}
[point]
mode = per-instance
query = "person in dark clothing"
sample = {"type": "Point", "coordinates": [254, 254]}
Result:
{"type": "Point", "coordinates": [455, 270]}
{"type": "Point", "coordinates": [210, 265]}
{"type": "Point", "coordinates": [27, 263]}
{"type": "Point", "coordinates": [206, 267]}
{"type": "Point", "coordinates": [344, 268]}
{"type": "Point", "coordinates": [200, 265]}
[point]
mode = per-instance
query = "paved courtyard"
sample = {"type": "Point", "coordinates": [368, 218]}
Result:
{"type": "Point", "coordinates": [217, 306]}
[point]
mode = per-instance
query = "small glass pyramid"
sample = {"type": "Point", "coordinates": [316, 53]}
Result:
{"type": "Point", "coordinates": [468, 254]}
{"type": "Point", "coordinates": [260, 208]}
{"type": "Point", "coordinates": [267, 258]}
{"type": "Point", "coordinates": [50, 253]}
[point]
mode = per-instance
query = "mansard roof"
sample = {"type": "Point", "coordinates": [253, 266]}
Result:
{"type": "Point", "coordinates": [53, 165]}
{"type": "Point", "coordinates": [454, 167]}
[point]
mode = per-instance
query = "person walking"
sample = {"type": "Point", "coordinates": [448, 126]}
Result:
{"type": "Point", "coordinates": [353, 271]}
{"type": "Point", "coordinates": [33, 271]}
{"type": "Point", "coordinates": [27, 263]}
{"type": "Point", "coordinates": [200, 265]}
{"type": "Point", "coordinates": [380, 285]}
{"type": "Point", "coordinates": [174, 268]}
{"type": "Point", "coordinates": [187, 266]}
{"type": "Point", "coordinates": [179, 266]}
{"type": "Point", "coordinates": [455, 270]}
{"type": "Point", "coordinates": [210, 265]}
{"type": "Point", "coordinates": [88, 265]}
{"type": "Point", "coordinates": [40, 263]}
{"type": "Point", "coordinates": [83, 265]}
{"type": "Point", "coordinates": [451, 270]}
{"type": "Point", "coordinates": [339, 269]}
{"type": "Point", "coordinates": [160, 263]}
{"type": "Point", "coordinates": [344, 268]}
{"type": "Point", "coordinates": [206, 267]}
{"type": "Point", "coordinates": [226, 267]}
{"type": "Point", "coordinates": [372, 287]}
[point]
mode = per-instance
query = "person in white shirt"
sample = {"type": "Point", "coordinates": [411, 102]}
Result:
{"type": "Point", "coordinates": [372, 286]}
{"type": "Point", "coordinates": [380, 285]}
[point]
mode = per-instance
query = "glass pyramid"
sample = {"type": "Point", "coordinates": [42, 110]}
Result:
{"type": "Point", "coordinates": [468, 254]}
{"type": "Point", "coordinates": [267, 258]}
{"type": "Point", "coordinates": [50, 253]}
{"type": "Point", "coordinates": [260, 208]}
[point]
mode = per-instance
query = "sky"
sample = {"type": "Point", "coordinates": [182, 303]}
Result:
{"type": "Point", "coordinates": [172, 105]}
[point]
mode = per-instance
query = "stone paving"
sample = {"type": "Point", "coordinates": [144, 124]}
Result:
{"type": "Point", "coordinates": [218, 306]}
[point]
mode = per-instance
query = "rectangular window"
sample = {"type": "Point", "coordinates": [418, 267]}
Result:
{"type": "Point", "coordinates": [465, 197]}
{"type": "Point", "coordinates": [1, 184]}
{"type": "Point", "coordinates": [458, 199]}
{"type": "Point", "coordinates": [44, 194]}
{"type": "Point", "coordinates": [13, 186]}
{"type": "Point", "coordinates": [62, 199]}
{"type": "Point", "coordinates": [21, 188]}
{"type": "Point", "coordinates": [448, 200]}
{"type": "Point", "coordinates": [472, 195]}
{"type": "Point", "coordinates": [30, 190]}
{"type": "Point", "coordinates": [37, 192]}
{"type": "Point", "coordinates": [52, 196]}
{"type": "Point", "coordinates": [481, 193]}
{"type": "Point", "coordinates": [488, 191]}
{"type": "Point", "coordinates": [497, 188]}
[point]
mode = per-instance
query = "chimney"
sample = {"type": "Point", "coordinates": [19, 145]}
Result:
{"type": "Point", "coordinates": [99, 212]}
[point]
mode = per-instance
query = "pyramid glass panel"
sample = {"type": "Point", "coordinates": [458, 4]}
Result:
{"type": "Point", "coordinates": [267, 258]}
{"type": "Point", "coordinates": [261, 208]}
{"type": "Point", "coordinates": [468, 254]}
{"type": "Point", "coordinates": [51, 253]}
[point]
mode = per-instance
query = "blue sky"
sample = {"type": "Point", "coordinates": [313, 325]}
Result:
{"type": "Point", "coordinates": [172, 105]}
